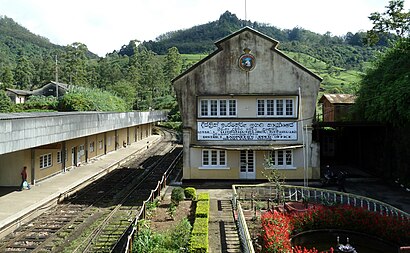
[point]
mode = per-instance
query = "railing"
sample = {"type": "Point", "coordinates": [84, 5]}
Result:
{"type": "Point", "coordinates": [270, 194]}
{"type": "Point", "coordinates": [161, 184]}
{"type": "Point", "coordinates": [245, 238]}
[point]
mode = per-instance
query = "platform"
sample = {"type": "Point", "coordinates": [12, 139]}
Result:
{"type": "Point", "coordinates": [18, 207]}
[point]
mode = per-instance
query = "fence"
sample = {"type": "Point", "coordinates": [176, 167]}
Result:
{"type": "Point", "coordinates": [133, 230]}
{"type": "Point", "coordinates": [271, 195]}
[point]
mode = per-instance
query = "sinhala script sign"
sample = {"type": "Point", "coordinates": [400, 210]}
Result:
{"type": "Point", "coordinates": [247, 131]}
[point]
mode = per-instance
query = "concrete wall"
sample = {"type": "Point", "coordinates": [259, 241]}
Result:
{"type": "Point", "coordinates": [219, 76]}
{"type": "Point", "coordinates": [231, 171]}
{"type": "Point", "coordinates": [11, 165]}
{"type": "Point", "coordinates": [27, 130]}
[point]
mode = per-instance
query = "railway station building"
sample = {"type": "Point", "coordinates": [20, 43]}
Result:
{"type": "Point", "coordinates": [247, 107]}
{"type": "Point", "coordinates": [51, 143]}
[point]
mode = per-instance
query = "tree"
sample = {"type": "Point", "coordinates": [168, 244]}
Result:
{"type": "Point", "coordinates": [172, 67]}
{"type": "Point", "coordinates": [124, 90]}
{"type": "Point", "coordinates": [23, 74]}
{"type": "Point", "coordinates": [395, 19]}
{"type": "Point", "coordinates": [173, 63]}
{"type": "Point", "coordinates": [74, 61]}
{"type": "Point", "coordinates": [6, 78]}
{"type": "Point", "coordinates": [5, 103]}
{"type": "Point", "coordinates": [384, 94]}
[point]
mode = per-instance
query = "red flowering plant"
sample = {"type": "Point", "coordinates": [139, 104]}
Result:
{"type": "Point", "coordinates": [390, 228]}
{"type": "Point", "coordinates": [278, 227]}
{"type": "Point", "coordinates": [276, 231]}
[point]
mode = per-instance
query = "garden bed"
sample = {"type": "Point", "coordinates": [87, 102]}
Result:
{"type": "Point", "coordinates": [161, 221]}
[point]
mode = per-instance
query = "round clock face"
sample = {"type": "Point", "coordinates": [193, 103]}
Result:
{"type": "Point", "coordinates": [247, 62]}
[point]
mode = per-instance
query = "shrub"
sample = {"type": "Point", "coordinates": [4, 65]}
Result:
{"type": "Point", "coordinates": [203, 196]}
{"type": "Point", "coordinates": [146, 241]}
{"type": "Point", "coordinates": [177, 195]}
{"type": "Point", "coordinates": [199, 244]}
{"type": "Point", "coordinates": [5, 103]}
{"type": "Point", "coordinates": [278, 227]}
{"type": "Point", "coordinates": [200, 226]}
{"type": "Point", "coordinates": [181, 234]}
{"type": "Point", "coordinates": [190, 193]}
{"type": "Point", "coordinates": [175, 240]}
{"type": "Point", "coordinates": [202, 209]}
{"type": "Point", "coordinates": [171, 210]}
{"type": "Point", "coordinates": [91, 99]}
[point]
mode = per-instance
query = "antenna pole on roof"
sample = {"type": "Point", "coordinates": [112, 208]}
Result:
{"type": "Point", "coordinates": [56, 77]}
{"type": "Point", "coordinates": [245, 13]}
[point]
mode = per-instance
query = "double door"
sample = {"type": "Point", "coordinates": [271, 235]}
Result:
{"type": "Point", "coordinates": [247, 164]}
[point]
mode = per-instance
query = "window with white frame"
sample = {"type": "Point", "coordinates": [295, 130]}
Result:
{"type": "Point", "coordinates": [59, 156]}
{"type": "Point", "coordinates": [46, 161]}
{"type": "Point", "coordinates": [278, 107]}
{"type": "Point", "coordinates": [213, 158]}
{"type": "Point", "coordinates": [100, 144]}
{"type": "Point", "coordinates": [281, 159]}
{"type": "Point", "coordinates": [218, 108]}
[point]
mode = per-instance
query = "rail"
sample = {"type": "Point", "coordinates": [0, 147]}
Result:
{"type": "Point", "coordinates": [244, 236]}
{"type": "Point", "coordinates": [268, 193]}
{"type": "Point", "coordinates": [132, 231]}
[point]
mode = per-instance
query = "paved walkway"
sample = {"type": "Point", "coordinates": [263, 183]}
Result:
{"type": "Point", "coordinates": [17, 205]}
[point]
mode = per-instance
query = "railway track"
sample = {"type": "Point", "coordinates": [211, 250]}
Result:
{"type": "Point", "coordinates": [94, 218]}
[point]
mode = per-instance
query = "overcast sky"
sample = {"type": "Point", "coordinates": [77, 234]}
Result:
{"type": "Point", "coordinates": [106, 25]}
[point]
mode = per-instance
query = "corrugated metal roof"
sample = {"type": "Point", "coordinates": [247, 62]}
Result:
{"type": "Point", "coordinates": [19, 92]}
{"type": "Point", "coordinates": [339, 98]}
{"type": "Point", "coordinates": [21, 115]}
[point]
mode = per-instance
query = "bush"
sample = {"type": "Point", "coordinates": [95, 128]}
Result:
{"type": "Point", "coordinates": [199, 244]}
{"type": "Point", "coordinates": [180, 235]}
{"type": "Point", "coordinates": [200, 226]}
{"type": "Point", "coordinates": [5, 103]}
{"type": "Point", "coordinates": [177, 195]}
{"type": "Point", "coordinates": [178, 238]}
{"type": "Point", "coordinates": [87, 99]}
{"type": "Point", "coordinates": [203, 196]}
{"type": "Point", "coordinates": [190, 193]}
{"type": "Point", "coordinates": [202, 209]}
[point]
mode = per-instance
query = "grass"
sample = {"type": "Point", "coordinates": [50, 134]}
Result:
{"type": "Point", "coordinates": [335, 79]}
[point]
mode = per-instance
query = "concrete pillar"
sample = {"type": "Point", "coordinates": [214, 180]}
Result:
{"type": "Point", "coordinates": [33, 164]}
{"type": "Point", "coordinates": [187, 156]}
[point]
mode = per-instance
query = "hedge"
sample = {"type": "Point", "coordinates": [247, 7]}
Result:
{"type": "Point", "coordinates": [202, 209]}
{"type": "Point", "coordinates": [199, 234]}
{"type": "Point", "coordinates": [190, 193]}
{"type": "Point", "coordinates": [199, 244]}
{"type": "Point", "coordinates": [200, 226]}
{"type": "Point", "coordinates": [203, 196]}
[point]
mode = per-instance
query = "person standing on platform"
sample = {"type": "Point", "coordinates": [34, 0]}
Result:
{"type": "Point", "coordinates": [24, 183]}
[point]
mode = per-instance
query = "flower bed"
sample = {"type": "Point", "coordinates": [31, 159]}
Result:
{"type": "Point", "coordinates": [277, 228]}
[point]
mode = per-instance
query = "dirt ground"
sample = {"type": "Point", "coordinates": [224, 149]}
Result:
{"type": "Point", "coordinates": [161, 221]}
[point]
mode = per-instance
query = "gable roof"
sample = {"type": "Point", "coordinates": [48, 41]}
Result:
{"type": "Point", "coordinates": [20, 92]}
{"type": "Point", "coordinates": [338, 98]}
{"type": "Point", "coordinates": [249, 29]}
{"type": "Point", "coordinates": [61, 86]}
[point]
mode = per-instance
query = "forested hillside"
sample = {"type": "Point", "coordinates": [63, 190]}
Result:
{"type": "Point", "coordinates": [141, 73]}
{"type": "Point", "coordinates": [349, 51]}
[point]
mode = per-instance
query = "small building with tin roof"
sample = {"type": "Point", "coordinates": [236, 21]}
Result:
{"type": "Point", "coordinates": [336, 107]}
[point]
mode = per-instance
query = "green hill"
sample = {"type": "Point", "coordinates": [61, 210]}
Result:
{"type": "Point", "coordinates": [329, 56]}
